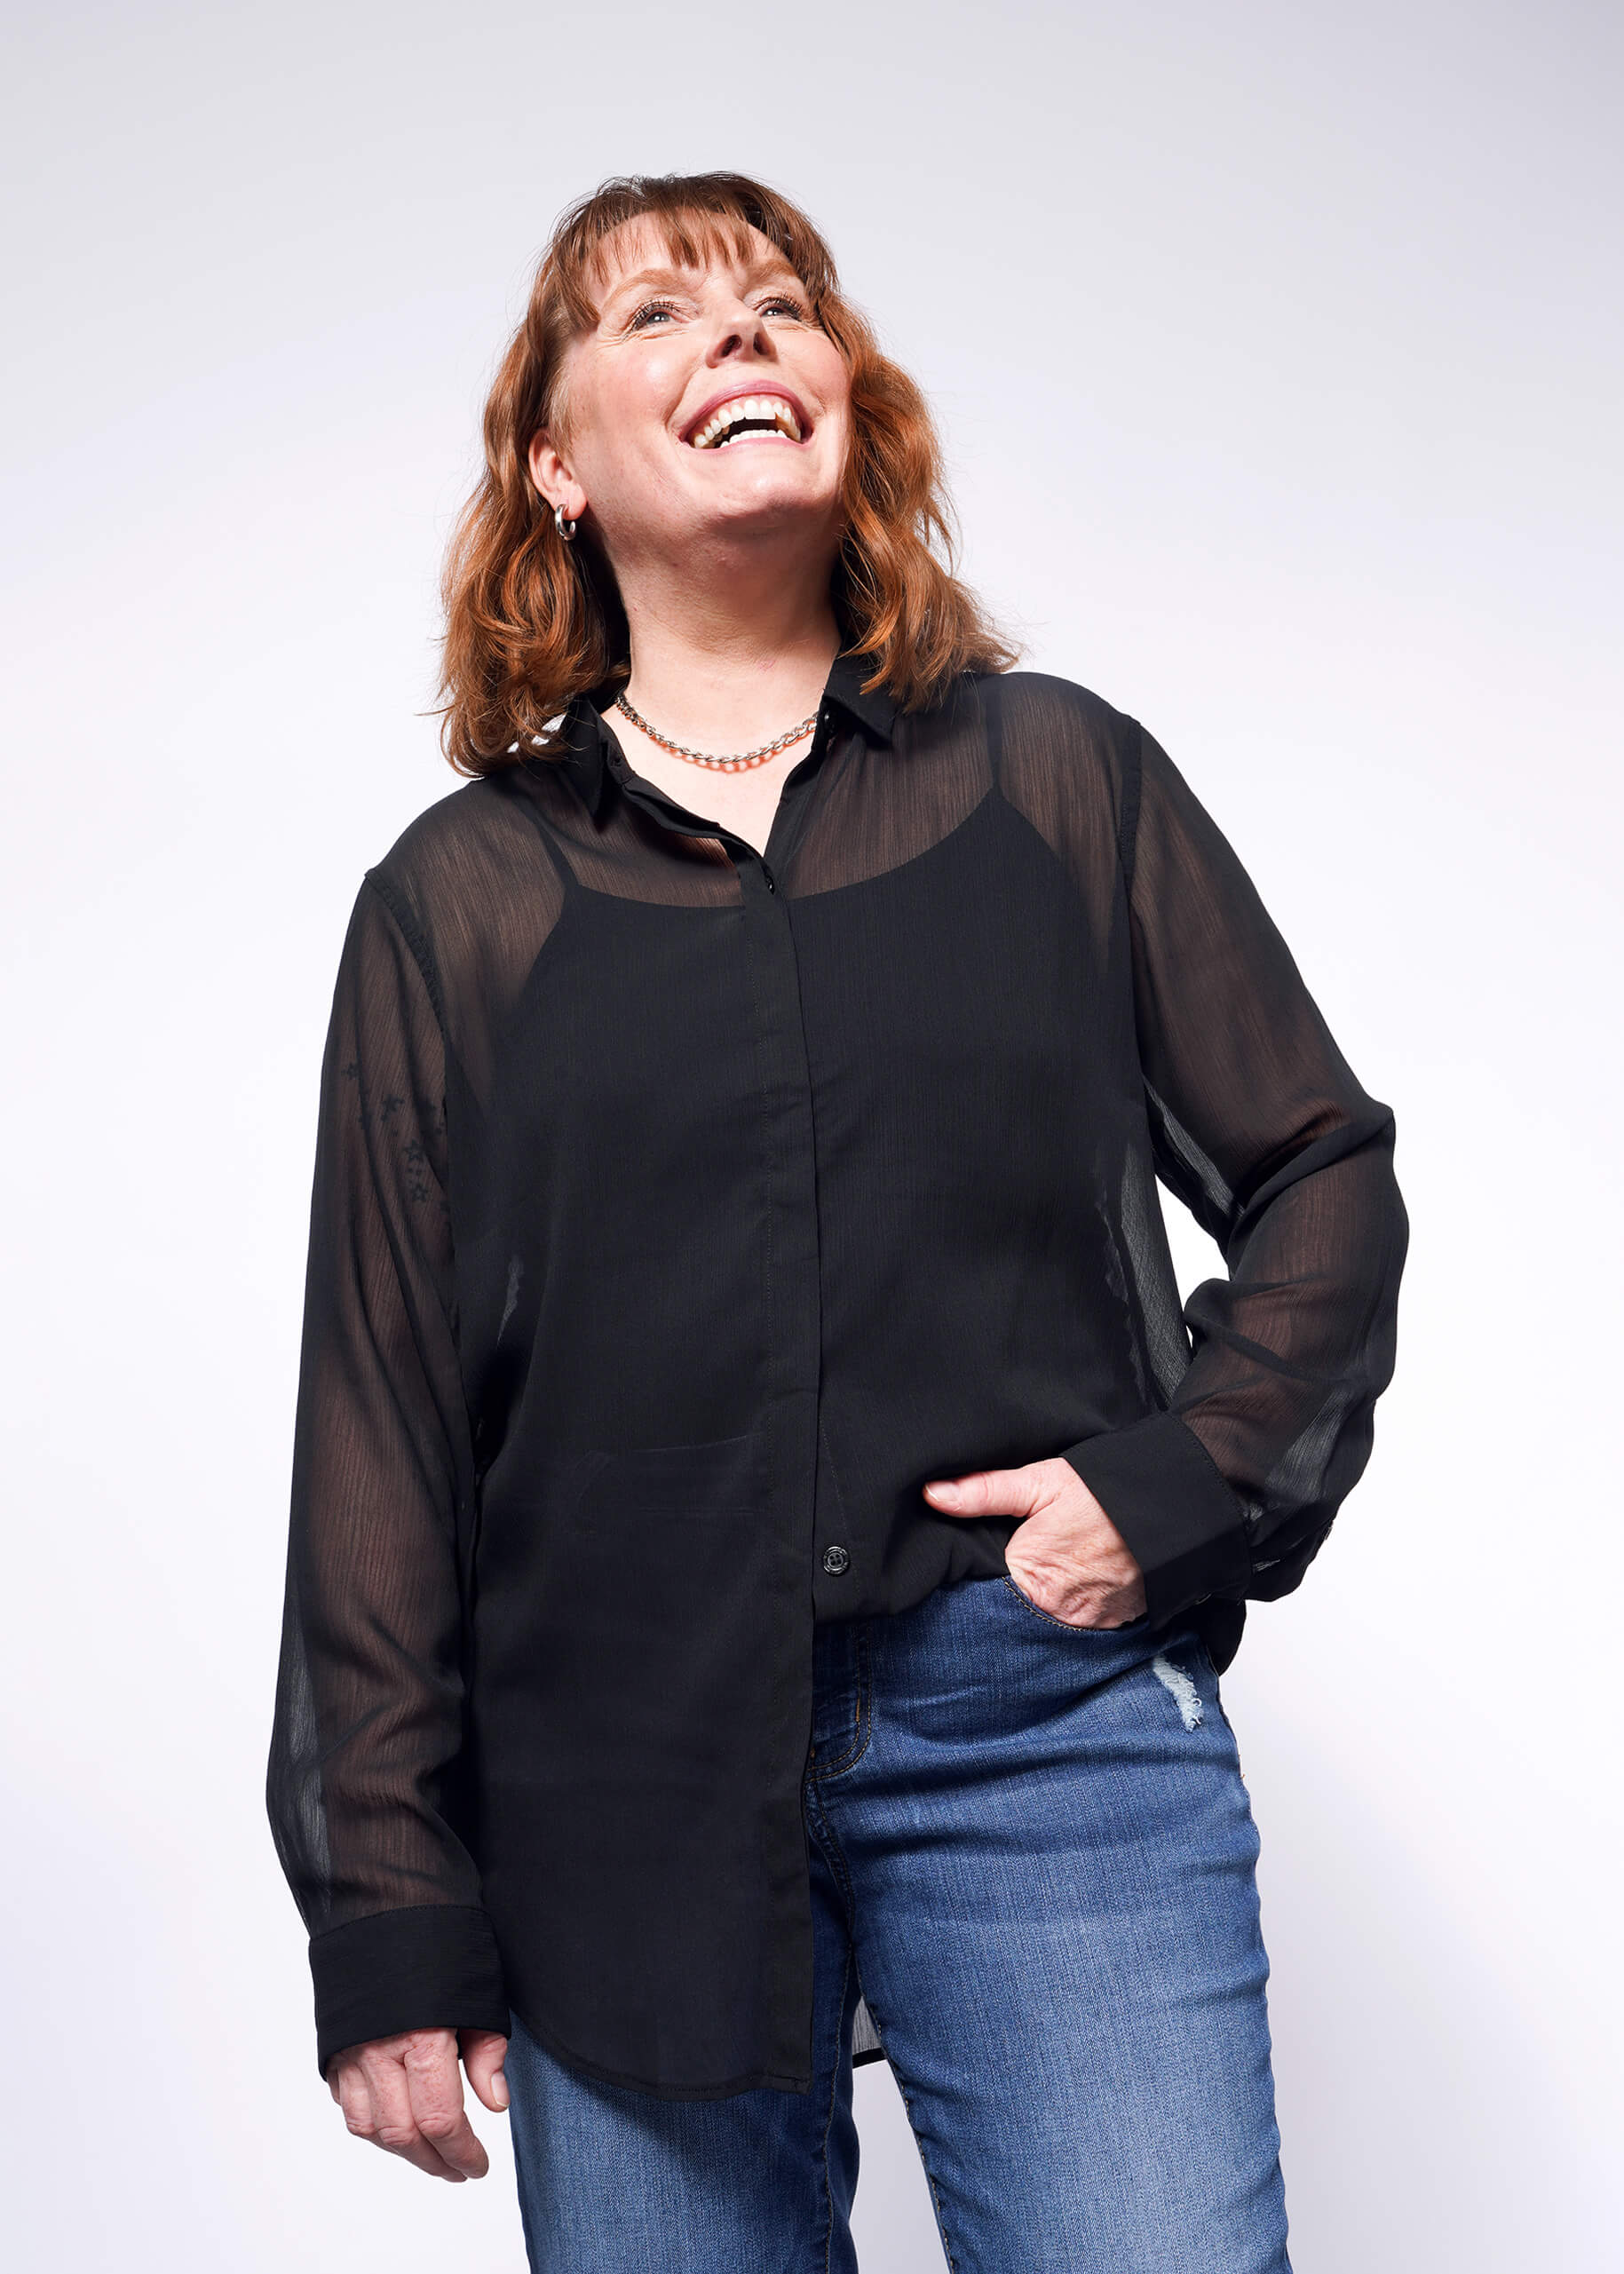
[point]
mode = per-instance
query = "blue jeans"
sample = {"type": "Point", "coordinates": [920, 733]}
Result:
{"type": "Point", "coordinates": [1032, 1843]}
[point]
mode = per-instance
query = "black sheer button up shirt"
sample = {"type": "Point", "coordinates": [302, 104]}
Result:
{"type": "Point", "coordinates": [678, 1213]}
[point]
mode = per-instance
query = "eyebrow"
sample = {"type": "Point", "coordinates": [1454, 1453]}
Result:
{"type": "Point", "coordinates": [665, 273]}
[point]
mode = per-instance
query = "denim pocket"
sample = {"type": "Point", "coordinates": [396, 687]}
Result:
{"type": "Point", "coordinates": [1066, 1626]}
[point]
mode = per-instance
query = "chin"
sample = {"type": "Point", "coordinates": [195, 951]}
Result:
{"type": "Point", "coordinates": [769, 500]}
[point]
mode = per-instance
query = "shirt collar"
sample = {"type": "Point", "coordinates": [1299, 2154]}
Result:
{"type": "Point", "coordinates": [584, 756]}
{"type": "Point", "coordinates": [876, 711]}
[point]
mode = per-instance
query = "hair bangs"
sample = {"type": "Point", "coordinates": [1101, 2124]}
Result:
{"type": "Point", "coordinates": [718, 223]}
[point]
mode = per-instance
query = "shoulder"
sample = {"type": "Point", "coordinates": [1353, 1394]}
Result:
{"type": "Point", "coordinates": [1066, 760]}
{"type": "Point", "coordinates": [471, 889]}
{"type": "Point", "coordinates": [454, 858]}
{"type": "Point", "coordinates": [428, 851]}
{"type": "Point", "coordinates": [1042, 700]}
{"type": "Point", "coordinates": [1042, 722]}
{"type": "Point", "coordinates": [1051, 737]}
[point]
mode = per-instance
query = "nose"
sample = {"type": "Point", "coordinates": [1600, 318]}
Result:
{"type": "Point", "coordinates": [740, 334]}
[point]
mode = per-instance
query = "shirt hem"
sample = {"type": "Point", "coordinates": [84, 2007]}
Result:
{"type": "Point", "coordinates": [751, 2081]}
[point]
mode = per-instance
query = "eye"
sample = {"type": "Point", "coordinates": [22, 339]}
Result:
{"type": "Point", "coordinates": [784, 304]}
{"type": "Point", "coordinates": [647, 312]}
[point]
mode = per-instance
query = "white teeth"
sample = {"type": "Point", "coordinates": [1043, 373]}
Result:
{"type": "Point", "coordinates": [756, 407]}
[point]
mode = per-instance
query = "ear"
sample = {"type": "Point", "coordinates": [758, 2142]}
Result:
{"type": "Point", "coordinates": [552, 477]}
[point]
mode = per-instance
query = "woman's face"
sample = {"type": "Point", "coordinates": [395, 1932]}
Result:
{"type": "Point", "coordinates": [706, 404]}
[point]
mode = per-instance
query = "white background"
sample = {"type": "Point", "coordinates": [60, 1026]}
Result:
{"type": "Point", "coordinates": [1277, 348]}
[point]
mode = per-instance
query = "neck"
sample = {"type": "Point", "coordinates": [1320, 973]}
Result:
{"type": "Point", "coordinates": [733, 655]}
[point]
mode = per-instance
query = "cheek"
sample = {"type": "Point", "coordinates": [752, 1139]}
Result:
{"type": "Point", "coordinates": [831, 387]}
{"type": "Point", "coordinates": [621, 441]}
{"type": "Point", "coordinates": [627, 400]}
{"type": "Point", "coordinates": [651, 381]}
{"type": "Point", "coordinates": [838, 429]}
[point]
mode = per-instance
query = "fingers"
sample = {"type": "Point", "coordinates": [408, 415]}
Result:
{"type": "Point", "coordinates": [400, 2127]}
{"type": "Point", "coordinates": [483, 2054]}
{"type": "Point", "coordinates": [1073, 1563]}
{"type": "Point", "coordinates": [1066, 1556]}
{"type": "Point", "coordinates": [997, 1491]}
{"type": "Point", "coordinates": [1077, 1595]}
{"type": "Point", "coordinates": [348, 2083]}
{"type": "Point", "coordinates": [405, 2094]}
{"type": "Point", "coordinates": [435, 2082]}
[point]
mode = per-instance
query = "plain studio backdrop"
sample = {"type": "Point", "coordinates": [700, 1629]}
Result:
{"type": "Point", "coordinates": [1277, 351]}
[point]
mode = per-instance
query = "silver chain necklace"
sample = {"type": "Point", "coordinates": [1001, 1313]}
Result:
{"type": "Point", "coordinates": [704, 758]}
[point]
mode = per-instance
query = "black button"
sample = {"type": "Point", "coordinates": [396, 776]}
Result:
{"type": "Point", "coordinates": [835, 1560]}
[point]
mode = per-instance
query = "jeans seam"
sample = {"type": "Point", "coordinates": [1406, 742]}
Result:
{"type": "Point", "coordinates": [924, 2161]}
{"type": "Point", "coordinates": [829, 2121]}
{"type": "Point", "coordinates": [865, 1717]}
{"type": "Point", "coordinates": [1217, 1691]}
{"type": "Point", "coordinates": [823, 1831]}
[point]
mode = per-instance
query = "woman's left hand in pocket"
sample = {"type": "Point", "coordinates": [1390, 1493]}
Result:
{"type": "Point", "coordinates": [1067, 1557]}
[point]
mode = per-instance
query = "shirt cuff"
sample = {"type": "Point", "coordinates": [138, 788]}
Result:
{"type": "Point", "coordinates": [1183, 1522]}
{"type": "Point", "coordinates": [434, 1966]}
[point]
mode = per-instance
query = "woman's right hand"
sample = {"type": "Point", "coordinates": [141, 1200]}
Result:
{"type": "Point", "coordinates": [405, 2094]}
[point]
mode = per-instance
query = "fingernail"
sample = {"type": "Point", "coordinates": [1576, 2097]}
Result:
{"type": "Point", "coordinates": [943, 1492]}
{"type": "Point", "coordinates": [499, 2089]}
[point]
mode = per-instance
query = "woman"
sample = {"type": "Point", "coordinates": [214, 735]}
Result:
{"type": "Point", "coordinates": [764, 1538]}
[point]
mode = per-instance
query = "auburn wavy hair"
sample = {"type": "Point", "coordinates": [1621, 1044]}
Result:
{"type": "Point", "coordinates": [531, 622]}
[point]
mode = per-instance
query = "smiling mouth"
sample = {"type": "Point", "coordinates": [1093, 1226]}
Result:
{"type": "Point", "coordinates": [762, 418]}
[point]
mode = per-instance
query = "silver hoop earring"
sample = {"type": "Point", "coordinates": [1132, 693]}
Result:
{"type": "Point", "coordinates": [565, 529]}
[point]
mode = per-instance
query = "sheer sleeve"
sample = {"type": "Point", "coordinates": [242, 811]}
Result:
{"type": "Point", "coordinates": [365, 1754]}
{"type": "Point", "coordinates": [1260, 1126]}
